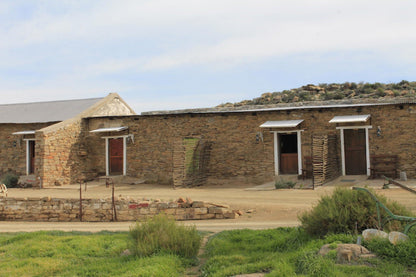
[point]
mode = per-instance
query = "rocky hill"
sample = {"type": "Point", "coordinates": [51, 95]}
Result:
{"type": "Point", "coordinates": [327, 92]}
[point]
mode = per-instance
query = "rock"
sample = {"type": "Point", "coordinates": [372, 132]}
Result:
{"type": "Point", "coordinates": [240, 213]}
{"type": "Point", "coordinates": [389, 92]}
{"type": "Point", "coordinates": [125, 253]}
{"type": "Point", "coordinates": [311, 87]}
{"type": "Point", "coordinates": [369, 234]}
{"type": "Point", "coordinates": [219, 205]}
{"type": "Point", "coordinates": [266, 95]}
{"type": "Point", "coordinates": [198, 204]}
{"type": "Point", "coordinates": [230, 215]}
{"type": "Point", "coordinates": [181, 200]}
{"type": "Point", "coordinates": [344, 256]}
{"type": "Point", "coordinates": [324, 250]}
{"type": "Point", "coordinates": [189, 200]}
{"type": "Point", "coordinates": [46, 199]}
{"type": "Point", "coordinates": [250, 211]}
{"type": "Point", "coordinates": [396, 237]}
{"type": "Point", "coordinates": [347, 253]}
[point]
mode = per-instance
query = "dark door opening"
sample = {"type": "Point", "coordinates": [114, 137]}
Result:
{"type": "Point", "coordinates": [116, 156]}
{"type": "Point", "coordinates": [31, 169]}
{"type": "Point", "coordinates": [288, 153]}
{"type": "Point", "coordinates": [354, 148]}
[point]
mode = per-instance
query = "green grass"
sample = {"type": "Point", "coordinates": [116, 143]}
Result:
{"type": "Point", "coordinates": [286, 252]}
{"type": "Point", "coordinates": [276, 252]}
{"type": "Point", "coordinates": [79, 254]}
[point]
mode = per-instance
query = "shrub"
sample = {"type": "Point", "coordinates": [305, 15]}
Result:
{"type": "Point", "coordinates": [284, 184]}
{"type": "Point", "coordinates": [403, 253]}
{"type": "Point", "coordinates": [10, 180]}
{"type": "Point", "coordinates": [163, 235]}
{"type": "Point", "coordinates": [347, 211]}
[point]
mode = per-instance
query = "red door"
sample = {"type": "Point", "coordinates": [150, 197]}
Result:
{"type": "Point", "coordinates": [355, 157]}
{"type": "Point", "coordinates": [31, 156]}
{"type": "Point", "coordinates": [116, 156]}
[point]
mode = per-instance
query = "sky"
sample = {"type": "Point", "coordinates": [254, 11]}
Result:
{"type": "Point", "coordinates": [167, 55]}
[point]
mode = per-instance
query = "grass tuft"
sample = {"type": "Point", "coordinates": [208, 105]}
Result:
{"type": "Point", "coordinates": [163, 235]}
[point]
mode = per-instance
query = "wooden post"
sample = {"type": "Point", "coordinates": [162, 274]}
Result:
{"type": "Point", "coordinates": [80, 200]}
{"type": "Point", "coordinates": [114, 204]}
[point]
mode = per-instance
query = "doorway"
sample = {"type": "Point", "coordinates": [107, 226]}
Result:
{"type": "Point", "coordinates": [288, 153]}
{"type": "Point", "coordinates": [31, 157]}
{"type": "Point", "coordinates": [355, 151]}
{"type": "Point", "coordinates": [115, 154]}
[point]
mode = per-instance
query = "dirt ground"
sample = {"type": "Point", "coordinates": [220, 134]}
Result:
{"type": "Point", "coordinates": [262, 206]}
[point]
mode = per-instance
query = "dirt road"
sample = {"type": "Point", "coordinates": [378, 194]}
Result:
{"type": "Point", "coordinates": [262, 208]}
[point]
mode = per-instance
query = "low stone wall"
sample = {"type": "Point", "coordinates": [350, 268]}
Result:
{"type": "Point", "coordinates": [100, 210]}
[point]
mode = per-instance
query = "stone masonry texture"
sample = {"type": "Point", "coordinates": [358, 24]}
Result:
{"type": "Point", "coordinates": [100, 210]}
{"type": "Point", "coordinates": [13, 147]}
{"type": "Point", "coordinates": [238, 148]}
{"type": "Point", "coordinates": [235, 151]}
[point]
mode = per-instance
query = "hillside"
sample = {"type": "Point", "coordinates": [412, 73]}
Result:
{"type": "Point", "coordinates": [326, 92]}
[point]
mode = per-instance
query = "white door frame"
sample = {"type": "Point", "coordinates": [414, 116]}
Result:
{"type": "Point", "coordinates": [107, 158]}
{"type": "Point", "coordinates": [277, 151]}
{"type": "Point", "coordinates": [28, 155]}
{"type": "Point", "coordinates": [367, 146]}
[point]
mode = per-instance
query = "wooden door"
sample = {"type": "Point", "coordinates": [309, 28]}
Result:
{"type": "Point", "coordinates": [355, 157]}
{"type": "Point", "coordinates": [116, 156]}
{"type": "Point", "coordinates": [288, 154]}
{"type": "Point", "coordinates": [31, 156]}
{"type": "Point", "coordinates": [289, 163]}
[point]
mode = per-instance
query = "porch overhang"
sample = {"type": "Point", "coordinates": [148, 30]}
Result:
{"type": "Point", "coordinates": [109, 129]}
{"type": "Point", "coordinates": [350, 118]}
{"type": "Point", "coordinates": [28, 132]}
{"type": "Point", "coordinates": [282, 124]}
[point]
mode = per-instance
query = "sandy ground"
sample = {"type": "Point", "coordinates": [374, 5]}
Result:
{"type": "Point", "coordinates": [263, 206]}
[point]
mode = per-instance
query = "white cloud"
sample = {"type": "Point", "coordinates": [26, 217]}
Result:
{"type": "Point", "coordinates": [72, 44]}
{"type": "Point", "coordinates": [246, 31]}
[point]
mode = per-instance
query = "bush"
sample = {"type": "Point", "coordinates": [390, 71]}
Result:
{"type": "Point", "coordinates": [348, 211]}
{"type": "Point", "coordinates": [284, 184]}
{"type": "Point", "coordinates": [10, 180]}
{"type": "Point", "coordinates": [163, 235]}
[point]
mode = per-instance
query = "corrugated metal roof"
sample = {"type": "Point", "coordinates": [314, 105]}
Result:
{"type": "Point", "coordinates": [350, 118]}
{"type": "Point", "coordinates": [38, 112]}
{"type": "Point", "coordinates": [281, 124]}
{"type": "Point", "coordinates": [110, 129]}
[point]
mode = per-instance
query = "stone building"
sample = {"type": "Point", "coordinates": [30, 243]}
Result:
{"type": "Point", "coordinates": [194, 147]}
{"type": "Point", "coordinates": [191, 147]}
{"type": "Point", "coordinates": [44, 140]}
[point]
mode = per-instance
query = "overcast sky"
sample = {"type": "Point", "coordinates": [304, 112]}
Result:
{"type": "Point", "coordinates": [164, 54]}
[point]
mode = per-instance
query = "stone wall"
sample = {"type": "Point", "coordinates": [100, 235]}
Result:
{"type": "Point", "coordinates": [235, 152]}
{"type": "Point", "coordinates": [100, 210]}
{"type": "Point", "coordinates": [13, 147]}
{"type": "Point", "coordinates": [61, 155]}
